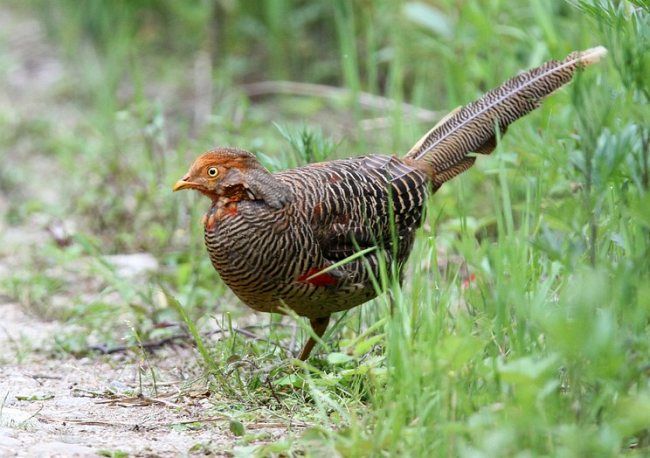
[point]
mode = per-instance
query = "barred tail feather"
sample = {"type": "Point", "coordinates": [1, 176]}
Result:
{"type": "Point", "coordinates": [442, 152]}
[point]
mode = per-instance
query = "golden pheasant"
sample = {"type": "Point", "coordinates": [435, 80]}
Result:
{"type": "Point", "coordinates": [274, 237]}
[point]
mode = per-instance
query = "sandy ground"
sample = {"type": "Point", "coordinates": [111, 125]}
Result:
{"type": "Point", "coordinates": [93, 407]}
{"type": "Point", "coordinates": [81, 407]}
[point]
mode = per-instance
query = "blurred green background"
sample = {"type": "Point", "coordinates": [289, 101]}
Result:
{"type": "Point", "coordinates": [522, 327]}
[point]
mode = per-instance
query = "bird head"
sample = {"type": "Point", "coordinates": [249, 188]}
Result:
{"type": "Point", "coordinates": [211, 172]}
{"type": "Point", "coordinates": [235, 174]}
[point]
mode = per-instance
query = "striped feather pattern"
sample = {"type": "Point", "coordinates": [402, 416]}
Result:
{"type": "Point", "coordinates": [443, 151]}
{"type": "Point", "coordinates": [338, 208]}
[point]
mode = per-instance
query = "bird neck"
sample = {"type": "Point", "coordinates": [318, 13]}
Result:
{"type": "Point", "coordinates": [263, 186]}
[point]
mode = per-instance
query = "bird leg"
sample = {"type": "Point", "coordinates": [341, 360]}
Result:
{"type": "Point", "coordinates": [319, 325]}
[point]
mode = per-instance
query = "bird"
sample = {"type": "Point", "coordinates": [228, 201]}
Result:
{"type": "Point", "coordinates": [312, 239]}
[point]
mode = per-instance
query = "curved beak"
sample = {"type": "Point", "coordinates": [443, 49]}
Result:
{"type": "Point", "coordinates": [183, 183]}
{"type": "Point", "coordinates": [180, 184]}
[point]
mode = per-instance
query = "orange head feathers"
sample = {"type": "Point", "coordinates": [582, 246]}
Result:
{"type": "Point", "coordinates": [234, 174]}
{"type": "Point", "coordinates": [210, 169]}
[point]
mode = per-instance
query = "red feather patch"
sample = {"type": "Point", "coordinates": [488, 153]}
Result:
{"type": "Point", "coordinates": [230, 209]}
{"type": "Point", "coordinates": [317, 280]}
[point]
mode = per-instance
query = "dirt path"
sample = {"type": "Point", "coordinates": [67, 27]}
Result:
{"type": "Point", "coordinates": [82, 407]}
{"type": "Point", "coordinates": [100, 407]}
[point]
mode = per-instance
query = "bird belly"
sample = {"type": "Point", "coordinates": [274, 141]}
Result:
{"type": "Point", "coordinates": [244, 266]}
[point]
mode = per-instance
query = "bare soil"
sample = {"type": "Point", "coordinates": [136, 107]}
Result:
{"type": "Point", "coordinates": [87, 406]}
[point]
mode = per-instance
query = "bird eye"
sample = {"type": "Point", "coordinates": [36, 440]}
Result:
{"type": "Point", "coordinates": [212, 171]}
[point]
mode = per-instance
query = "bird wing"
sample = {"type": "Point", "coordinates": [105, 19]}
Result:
{"type": "Point", "coordinates": [356, 203]}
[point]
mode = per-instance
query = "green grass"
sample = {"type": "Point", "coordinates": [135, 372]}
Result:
{"type": "Point", "coordinates": [523, 326]}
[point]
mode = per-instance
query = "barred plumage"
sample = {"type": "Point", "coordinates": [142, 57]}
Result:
{"type": "Point", "coordinates": [338, 208]}
{"type": "Point", "coordinates": [274, 238]}
{"type": "Point", "coordinates": [443, 150]}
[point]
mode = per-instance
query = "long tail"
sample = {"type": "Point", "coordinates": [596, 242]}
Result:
{"type": "Point", "coordinates": [442, 152]}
